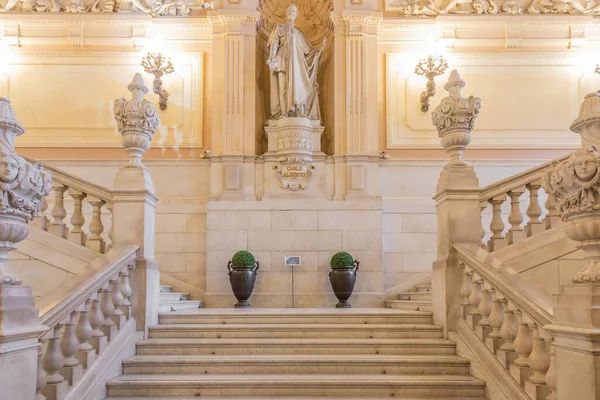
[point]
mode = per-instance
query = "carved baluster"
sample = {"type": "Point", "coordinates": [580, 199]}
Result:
{"type": "Point", "coordinates": [118, 301]}
{"type": "Point", "coordinates": [552, 219]}
{"type": "Point", "coordinates": [497, 241]}
{"type": "Point", "coordinates": [474, 299]}
{"type": "Point", "coordinates": [496, 320]}
{"type": "Point", "coordinates": [108, 310]}
{"type": "Point", "coordinates": [534, 211]}
{"type": "Point", "coordinates": [53, 361]}
{"type": "Point", "coordinates": [86, 353]}
{"type": "Point", "coordinates": [523, 343]}
{"type": "Point", "coordinates": [77, 219]}
{"type": "Point", "coordinates": [126, 291]}
{"type": "Point", "coordinates": [508, 331]}
{"type": "Point", "coordinates": [95, 241]}
{"type": "Point", "coordinates": [539, 359]}
{"type": "Point", "coordinates": [485, 306]}
{"type": "Point", "coordinates": [59, 212]}
{"type": "Point", "coordinates": [551, 374]}
{"type": "Point", "coordinates": [41, 221]}
{"type": "Point", "coordinates": [69, 345]}
{"type": "Point", "coordinates": [515, 218]}
{"type": "Point", "coordinates": [483, 206]}
{"type": "Point", "coordinates": [42, 376]}
{"type": "Point", "coordinates": [97, 320]}
{"type": "Point", "coordinates": [465, 292]}
{"type": "Point", "coordinates": [109, 207]}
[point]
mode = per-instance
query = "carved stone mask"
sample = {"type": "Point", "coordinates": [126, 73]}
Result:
{"type": "Point", "coordinates": [9, 168]}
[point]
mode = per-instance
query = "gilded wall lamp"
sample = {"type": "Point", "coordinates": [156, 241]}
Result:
{"type": "Point", "coordinates": [430, 68]}
{"type": "Point", "coordinates": [158, 65]}
{"type": "Point", "coordinates": [597, 69]}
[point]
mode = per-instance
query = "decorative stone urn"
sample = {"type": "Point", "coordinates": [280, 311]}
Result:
{"type": "Point", "coordinates": [575, 186]}
{"type": "Point", "coordinates": [23, 187]}
{"type": "Point", "coordinates": [454, 119]}
{"type": "Point", "coordinates": [137, 120]}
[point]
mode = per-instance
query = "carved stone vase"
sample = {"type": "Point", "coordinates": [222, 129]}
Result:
{"type": "Point", "coordinates": [242, 281]}
{"type": "Point", "coordinates": [137, 121]}
{"type": "Point", "coordinates": [454, 118]}
{"type": "Point", "coordinates": [342, 282]}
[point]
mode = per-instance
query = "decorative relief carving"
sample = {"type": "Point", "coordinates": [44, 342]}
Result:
{"type": "Point", "coordinates": [155, 8]}
{"type": "Point", "coordinates": [294, 172]}
{"type": "Point", "coordinates": [575, 186]}
{"type": "Point", "coordinates": [295, 140]}
{"type": "Point", "coordinates": [23, 187]}
{"type": "Point", "coordinates": [432, 8]}
{"type": "Point", "coordinates": [454, 119]}
{"type": "Point", "coordinates": [137, 120]}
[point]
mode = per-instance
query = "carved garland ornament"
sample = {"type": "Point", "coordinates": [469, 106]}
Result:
{"type": "Point", "coordinates": [432, 8]}
{"type": "Point", "coordinates": [153, 7]}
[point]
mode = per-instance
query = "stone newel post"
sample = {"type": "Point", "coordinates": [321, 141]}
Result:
{"type": "Point", "coordinates": [574, 185]}
{"type": "Point", "coordinates": [457, 199]}
{"type": "Point", "coordinates": [135, 202]}
{"type": "Point", "coordinates": [23, 187]}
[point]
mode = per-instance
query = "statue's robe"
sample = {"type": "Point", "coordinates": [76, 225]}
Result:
{"type": "Point", "coordinates": [299, 62]}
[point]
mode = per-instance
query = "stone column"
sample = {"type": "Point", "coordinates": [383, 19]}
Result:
{"type": "Point", "coordinates": [575, 187]}
{"type": "Point", "coordinates": [23, 187]}
{"type": "Point", "coordinates": [134, 201]}
{"type": "Point", "coordinates": [457, 199]}
{"type": "Point", "coordinates": [356, 131]}
{"type": "Point", "coordinates": [234, 99]}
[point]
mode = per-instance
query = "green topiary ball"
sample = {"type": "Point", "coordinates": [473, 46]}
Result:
{"type": "Point", "coordinates": [243, 258]}
{"type": "Point", "coordinates": [341, 260]}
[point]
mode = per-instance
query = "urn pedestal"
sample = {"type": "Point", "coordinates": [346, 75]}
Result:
{"type": "Point", "coordinates": [294, 166]}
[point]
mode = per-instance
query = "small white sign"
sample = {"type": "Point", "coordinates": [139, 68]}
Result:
{"type": "Point", "coordinates": [293, 261]}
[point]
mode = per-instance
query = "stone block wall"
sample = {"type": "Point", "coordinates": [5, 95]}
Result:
{"type": "Point", "coordinates": [314, 230]}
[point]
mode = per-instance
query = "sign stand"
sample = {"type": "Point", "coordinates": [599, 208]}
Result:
{"type": "Point", "coordinates": [293, 261]}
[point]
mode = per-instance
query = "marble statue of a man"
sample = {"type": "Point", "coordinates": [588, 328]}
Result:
{"type": "Point", "coordinates": [294, 64]}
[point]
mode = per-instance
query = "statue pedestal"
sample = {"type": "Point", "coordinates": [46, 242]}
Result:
{"type": "Point", "coordinates": [294, 166]}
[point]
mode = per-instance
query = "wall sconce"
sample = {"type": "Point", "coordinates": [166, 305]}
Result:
{"type": "Point", "coordinates": [597, 69]}
{"type": "Point", "coordinates": [430, 68]}
{"type": "Point", "coordinates": [158, 65]}
{"type": "Point", "coordinates": [208, 4]}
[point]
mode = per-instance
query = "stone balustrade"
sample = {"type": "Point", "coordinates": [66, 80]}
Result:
{"type": "Point", "coordinates": [67, 217]}
{"type": "Point", "coordinates": [512, 194]}
{"type": "Point", "coordinates": [83, 325]}
{"type": "Point", "coordinates": [511, 327]}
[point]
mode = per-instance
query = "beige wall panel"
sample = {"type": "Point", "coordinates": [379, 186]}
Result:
{"type": "Point", "coordinates": [529, 100]}
{"type": "Point", "coordinates": [66, 99]}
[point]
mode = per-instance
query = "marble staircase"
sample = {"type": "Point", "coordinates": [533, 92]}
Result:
{"type": "Point", "coordinates": [173, 301]}
{"type": "Point", "coordinates": [415, 299]}
{"type": "Point", "coordinates": [281, 353]}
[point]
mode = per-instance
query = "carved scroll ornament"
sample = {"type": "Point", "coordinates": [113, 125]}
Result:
{"type": "Point", "coordinates": [155, 8]}
{"type": "Point", "coordinates": [432, 8]}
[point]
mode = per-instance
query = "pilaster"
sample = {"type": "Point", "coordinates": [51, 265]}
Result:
{"type": "Point", "coordinates": [234, 98]}
{"type": "Point", "coordinates": [355, 48]}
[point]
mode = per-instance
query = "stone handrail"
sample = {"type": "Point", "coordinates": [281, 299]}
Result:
{"type": "Point", "coordinates": [511, 189]}
{"type": "Point", "coordinates": [84, 316]}
{"type": "Point", "coordinates": [510, 318]}
{"type": "Point", "coordinates": [79, 190]}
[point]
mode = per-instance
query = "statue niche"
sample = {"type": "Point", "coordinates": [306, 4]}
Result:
{"type": "Point", "coordinates": [293, 64]}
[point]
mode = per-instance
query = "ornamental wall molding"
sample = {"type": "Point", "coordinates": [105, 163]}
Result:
{"type": "Point", "coordinates": [434, 8]}
{"type": "Point", "coordinates": [154, 8]}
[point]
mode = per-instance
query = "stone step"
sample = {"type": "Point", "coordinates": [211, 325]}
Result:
{"type": "Point", "coordinates": [296, 385]}
{"type": "Point", "coordinates": [294, 398]}
{"type": "Point", "coordinates": [166, 288]}
{"type": "Point", "coordinates": [172, 296]}
{"type": "Point", "coordinates": [166, 307]}
{"type": "Point", "coordinates": [411, 305]}
{"type": "Point", "coordinates": [296, 316]}
{"type": "Point", "coordinates": [296, 331]}
{"type": "Point", "coordinates": [419, 296]}
{"type": "Point", "coordinates": [294, 346]}
{"type": "Point", "coordinates": [297, 364]}
{"type": "Point", "coordinates": [423, 288]}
